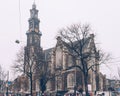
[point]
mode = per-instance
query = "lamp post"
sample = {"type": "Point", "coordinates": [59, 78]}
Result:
{"type": "Point", "coordinates": [7, 84]}
{"type": "Point", "coordinates": [7, 88]}
{"type": "Point", "coordinates": [57, 85]}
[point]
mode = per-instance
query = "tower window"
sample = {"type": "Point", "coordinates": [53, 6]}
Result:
{"type": "Point", "coordinates": [30, 39]}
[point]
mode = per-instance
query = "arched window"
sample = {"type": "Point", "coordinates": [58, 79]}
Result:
{"type": "Point", "coordinates": [70, 80]}
{"type": "Point", "coordinates": [48, 85]}
{"type": "Point", "coordinates": [70, 60]}
{"type": "Point", "coordinates": [58, 57]}
{"type": "Point", "coordinates": [37, 85]}
{"type": "Point", "coordinates": [58, 83]}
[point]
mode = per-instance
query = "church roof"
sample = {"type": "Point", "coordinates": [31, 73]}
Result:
{"type": "Point", "coordinates": [76, 44]}
{"type": "Point", "coordinates": [47, 53]}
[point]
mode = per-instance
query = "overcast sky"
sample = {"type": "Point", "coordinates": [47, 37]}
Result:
{"type": "Point", "coordinates": [102, 15]}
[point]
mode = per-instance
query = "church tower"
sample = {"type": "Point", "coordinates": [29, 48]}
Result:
{"type": "Point", "coordinates": [33, 34]}
{"type": "Point", "coordinates": [33, 51]}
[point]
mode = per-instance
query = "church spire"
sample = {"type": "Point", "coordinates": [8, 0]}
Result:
{"type": "Point", "coordinates": [34, 5]}
{"type": "Point", "coordinates": [34, 20]}
{"type": "Point", "coordinates": [34, 11]}
{"type": "Point", "coordinates": [34, 34]}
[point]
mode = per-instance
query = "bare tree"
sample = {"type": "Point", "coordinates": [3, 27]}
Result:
{"type": "Point", "coordinates": [34, 66]}
{"type": "Point", "coordinates": [19, 61]}
{"type": "Point", "coordinates": [118, 71]}
{"type": "Point", "coordinates": [82, 47]}
{"type": "Point", "coordinates": [3, 77]}
{"type": "Point", "coordinates": [28, 64]}
{"type": "Point", "coordinates": [45, 76]}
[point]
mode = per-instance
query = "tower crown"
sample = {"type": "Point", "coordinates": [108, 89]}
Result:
{"type": "Point", "coordinates": [34, 11]}
{"type": "Point", "coordinates": [33, 6]}
{"type": "Point", "coordinates": [33, 20]}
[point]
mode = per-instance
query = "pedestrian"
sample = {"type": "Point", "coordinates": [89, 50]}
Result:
{"type": "Point", "coordinates": [103, 94]}
{"type": "Point", "coordinates": [95, 93]}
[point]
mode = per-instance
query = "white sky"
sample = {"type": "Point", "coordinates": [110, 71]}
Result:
{"type": "Point", "coordinates": [102, 15]}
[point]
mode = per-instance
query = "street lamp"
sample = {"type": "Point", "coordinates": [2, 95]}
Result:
{"type": "Point", "coordinates": [17, 41]}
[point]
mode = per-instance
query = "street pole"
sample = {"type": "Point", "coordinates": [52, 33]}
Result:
{"type": "Point", "coordinates": [75, 86]}
{"type": "Point", "coordinates": [57, 86]}
{"type": "Point", "coordinates": [7, 91]}
{"type": "Point", "coordinates": [7, 84]}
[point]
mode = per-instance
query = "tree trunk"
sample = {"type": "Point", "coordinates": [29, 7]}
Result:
{"type": "Point", "coordinates": [86, 83]}
{"type": "Point", "coordinates": [97, 82]}
{"type": "Point", "coordinates": [75, 89]}
{"type": "Point", "coordinates": [31, 84]}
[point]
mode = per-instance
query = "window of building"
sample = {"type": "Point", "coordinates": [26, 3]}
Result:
{"type": "Point", "coordinates": [70, 80]}
{"type": "Point", "coordinates": [58, 57]}
{"type": "Point", "coordinates": [37, 85]}
{"type": "Point", "coordinates": [70, 61]}
{"type": "Point", "coordinates": [48, 85]}
{"type": "Point", "coordinates": [58, 83]}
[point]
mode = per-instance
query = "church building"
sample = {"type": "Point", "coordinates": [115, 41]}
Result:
{"type": "Point", "coordinates": [59, 60]}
